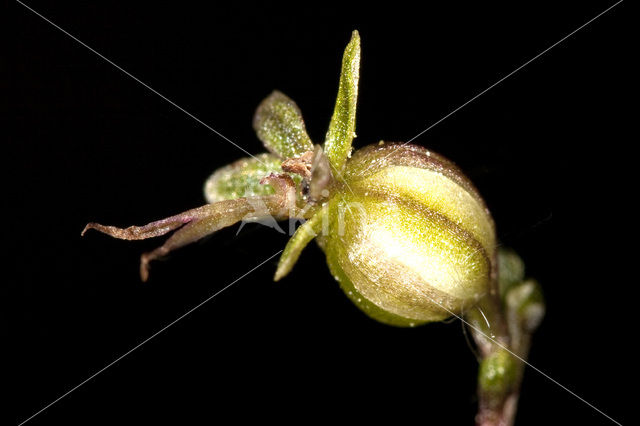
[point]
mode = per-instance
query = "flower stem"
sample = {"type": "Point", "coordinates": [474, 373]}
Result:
{"type": "Point", "coordinates": [502, 325]}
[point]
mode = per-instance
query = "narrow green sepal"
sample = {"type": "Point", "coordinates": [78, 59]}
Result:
{"type": "Point", "coordinates": [343, 122]}
{"type": "Point", "coordinates": [303, 235]}
{"type": "Point", "coordinates": [279, 125]}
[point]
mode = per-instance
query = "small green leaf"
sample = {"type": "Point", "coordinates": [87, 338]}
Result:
{"type": "Point", "coordinates": [242, 178]}
{"type": "Point", "coordinates": [279, 125]}
{"type": "Point", "coordinates": [343, 122]}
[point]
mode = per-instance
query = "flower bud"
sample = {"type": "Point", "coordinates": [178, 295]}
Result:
{"type": "Point", "coordinates": [405, 233]}
{"type": "Point", "coordinates": [409, 239]}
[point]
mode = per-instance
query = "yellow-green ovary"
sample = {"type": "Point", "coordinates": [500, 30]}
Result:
{"type": "Point", "coordinates": [439, 194]}
{"type": "Point", "coordinates": [413, 243]}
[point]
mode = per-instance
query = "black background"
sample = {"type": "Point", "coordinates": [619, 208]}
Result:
{"type": "Point", "coordinates": [86, 142]}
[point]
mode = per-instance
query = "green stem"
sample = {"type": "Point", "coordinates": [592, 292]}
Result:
{"type": "Point", "coordinates": [501, 325]}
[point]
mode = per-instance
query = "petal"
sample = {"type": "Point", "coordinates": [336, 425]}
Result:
{"type": "Point", "coordinates": [242, 178]}
{"type": "Point", "coordinates": [279, 125]}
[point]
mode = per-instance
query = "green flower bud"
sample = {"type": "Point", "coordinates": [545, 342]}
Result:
{"type": "Point", "coordinates": [404, 231]}
{"type": "Point", "coordinates": [406, 235]}
{"type": "Point", "coordinates": [525, 303]}
{"type": "Point", "coordinates": [409, 238]}
{"type": "Point", "coordinates": [511, 269]}
{"type": "Point", "coordinates": [498, 374]}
